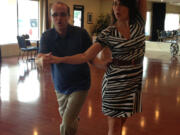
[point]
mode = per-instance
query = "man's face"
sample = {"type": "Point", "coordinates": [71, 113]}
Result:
{"type": "Point", "coordinates": [60, 17]}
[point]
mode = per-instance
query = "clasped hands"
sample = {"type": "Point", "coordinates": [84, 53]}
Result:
{"type": "Point", "coordinates": [43, 61]}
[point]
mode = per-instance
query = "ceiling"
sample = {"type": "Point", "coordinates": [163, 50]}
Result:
{"type": "Point", "coordinates": [176, 2]}
{"type": "Point", "coordinates": [165, 0]}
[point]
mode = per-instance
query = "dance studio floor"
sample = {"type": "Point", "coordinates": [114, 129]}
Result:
{"type": "Point", "coordinates": [28, 103]}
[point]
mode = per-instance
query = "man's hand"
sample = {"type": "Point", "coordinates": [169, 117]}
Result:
{"type": "Point", "coordinates": [39, 63]}
{"type": "Point", "coordinates": [54, 59]}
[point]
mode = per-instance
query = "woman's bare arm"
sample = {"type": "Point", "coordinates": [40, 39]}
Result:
{"type": "Point", "coordinates": [142, 4]}
{"type": "Point", "coordinates": [87, 56]}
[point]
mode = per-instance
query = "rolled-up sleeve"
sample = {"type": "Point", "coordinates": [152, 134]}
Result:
{"type": "Point", "coordinates": [86, 39]}
{"type": "Point", "coordinates": [44, 44]}
{"type": "Point", "coordinates": [102, 38]}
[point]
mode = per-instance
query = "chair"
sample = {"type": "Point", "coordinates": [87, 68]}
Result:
{"type": "Point", "coordinates": [161, 35]}
{"type": "Point", "coordinates": [26, 49]}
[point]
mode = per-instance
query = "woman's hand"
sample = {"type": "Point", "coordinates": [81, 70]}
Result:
{"type": "Point", "coordinates": [102, 64]}
{"type": "Point", "coordinates": [42, 61]}
{"type": "Point", "coordinates": [103, 58]}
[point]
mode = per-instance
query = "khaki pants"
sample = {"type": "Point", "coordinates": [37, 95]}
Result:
{"type": "Point", "coordinates": [69, 108]}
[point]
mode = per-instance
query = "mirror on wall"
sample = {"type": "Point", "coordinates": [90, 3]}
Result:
{"type": "Point", "coordinates": [78, 16]}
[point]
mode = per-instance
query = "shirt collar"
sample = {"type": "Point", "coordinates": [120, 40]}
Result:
{"type": "Point", "coordinates": [69, 30]}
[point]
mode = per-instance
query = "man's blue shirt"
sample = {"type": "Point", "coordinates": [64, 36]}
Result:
{"type": "Point", "coordinates": [67, 78]}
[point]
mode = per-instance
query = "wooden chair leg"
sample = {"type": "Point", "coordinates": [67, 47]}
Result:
{"type": "Point", "coordinates": [22, 55]}
{"type": "Point", "coordinates": [27, 56]}
{"type": "Point", "coordinates": [19, 55]}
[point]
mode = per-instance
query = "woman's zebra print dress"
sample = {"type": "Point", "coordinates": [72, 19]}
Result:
{"type": "Point", "coordinates": [121, 87]}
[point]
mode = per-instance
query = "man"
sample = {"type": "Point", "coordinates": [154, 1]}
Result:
{"type": "Point", "coordinates": [71, 82]}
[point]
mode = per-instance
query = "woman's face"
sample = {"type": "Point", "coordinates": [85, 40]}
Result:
{"type": "Point", "coordinates": [121, 12]}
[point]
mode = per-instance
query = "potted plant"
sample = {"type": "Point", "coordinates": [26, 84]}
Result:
{"type": "Point", "coordinates": [103, 21]}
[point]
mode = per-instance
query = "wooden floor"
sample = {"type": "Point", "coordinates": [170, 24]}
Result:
{"type": "Point", "coordinates": [28, 104]}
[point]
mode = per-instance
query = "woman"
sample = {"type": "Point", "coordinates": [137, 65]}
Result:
{"type": "Point", "coordinates": [121, 87]}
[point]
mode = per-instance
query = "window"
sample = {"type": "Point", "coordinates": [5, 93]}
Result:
{"type": "Point", "coordinates": [148, 23]}
{"type": "Point", "coordinates": [18, 17]}
{"type": "Point", "coordinates": [175, 18]}
{"type": "Point", "coordinates": [8, 23]}
{"type": "Point", "coordinates": [28, 22]}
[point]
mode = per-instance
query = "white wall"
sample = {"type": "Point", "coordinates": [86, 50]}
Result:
{"type": "Point", "coordinates": [96, 7]}
{"type": "Point", "coordinates": [92, 6]}
{"type": "Point", "coordinates": [9, 50]}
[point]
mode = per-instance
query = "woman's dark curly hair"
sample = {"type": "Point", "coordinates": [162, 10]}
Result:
{"type": "Point", "coordinates": [133, 10]}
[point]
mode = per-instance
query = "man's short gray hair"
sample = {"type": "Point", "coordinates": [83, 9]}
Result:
{"type": "Point", "coordinates": [61, 3]}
